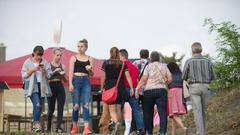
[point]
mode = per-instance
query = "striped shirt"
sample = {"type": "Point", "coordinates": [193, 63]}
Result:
{"type": "Point", "coordinates": [198, 70]}
{"type": "Point", "coordinates": [140, 64]}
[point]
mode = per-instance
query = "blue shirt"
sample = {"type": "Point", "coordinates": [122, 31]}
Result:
{"type": "Point", "coordinates": [177, 81]}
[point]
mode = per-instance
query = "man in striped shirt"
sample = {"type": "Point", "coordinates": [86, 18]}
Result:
{"type": "Point", "coordinates": [198, 72]}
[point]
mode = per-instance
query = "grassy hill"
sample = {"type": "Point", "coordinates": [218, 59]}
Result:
{"type": "Point", "coordinates": [223, 114]}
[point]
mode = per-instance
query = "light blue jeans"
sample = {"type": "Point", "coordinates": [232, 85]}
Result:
{"type": "Point", "coordinates": [81, 93]}
{"type": "Point", "coordinates": [136, 110]}
{"type": "Point", "coordinates": [38, 103]}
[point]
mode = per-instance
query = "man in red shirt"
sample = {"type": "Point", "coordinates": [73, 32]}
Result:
{"type": "Point", "coordinates": [133, 100]}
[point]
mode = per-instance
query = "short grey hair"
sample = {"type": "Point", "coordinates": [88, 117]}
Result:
{"type": "Point", "coordinates": [196, 48]}
{"type": "Point", "coordinates": [155, 56]}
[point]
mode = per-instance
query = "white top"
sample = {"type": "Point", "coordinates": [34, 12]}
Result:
{"type": "Point", "coordinates": [140, 64]}
{"type": "Point", "coordinates": [38, 73]}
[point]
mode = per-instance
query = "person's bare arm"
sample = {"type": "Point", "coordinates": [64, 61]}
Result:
{"type": "Point", "coordinates": [129, 79]}
{"type": "Point", "coordinates": [90, 70]}
{"type": "Point", "coordinates": [71, 68]}
{"type": "Point", "coordinates": [103, 77]}
{"type": "Point", "coordinates": [32, 70]}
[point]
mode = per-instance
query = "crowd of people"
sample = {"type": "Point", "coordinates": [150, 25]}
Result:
{"type": "Point", "coordinates": [143, 86]}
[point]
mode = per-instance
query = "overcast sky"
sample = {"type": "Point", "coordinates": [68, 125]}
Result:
{"type": "Point", "coordinates": [165, 26]}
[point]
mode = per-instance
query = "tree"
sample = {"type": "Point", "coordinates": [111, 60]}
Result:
{"type": "Point", "coordinates": [227, 64]}
{"type": "Point", "coordinates": [172, 58]}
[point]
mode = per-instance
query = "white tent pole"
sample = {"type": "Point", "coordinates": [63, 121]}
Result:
{"type": "Point", "coordinates": [57, 32]}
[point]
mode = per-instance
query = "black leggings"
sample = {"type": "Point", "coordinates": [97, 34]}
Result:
{"type": "Point", "coordinates": [58, 93]}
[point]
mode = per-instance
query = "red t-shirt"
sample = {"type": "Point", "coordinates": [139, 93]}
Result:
{"type": "Point", "coordinates": [133, 71]}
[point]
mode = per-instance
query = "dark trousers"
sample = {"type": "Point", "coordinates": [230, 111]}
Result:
{"type": "Point", "coordinates": [152, 97]}
{"type": "Point", "coordinates": [58, 94]}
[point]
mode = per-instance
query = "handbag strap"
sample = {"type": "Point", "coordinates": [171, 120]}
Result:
{"type": "Point", "coordinates": [120, 74]}
{"type": "Point", "coordinates": [140, 76]}
{"type": "Point", "coordinates": [162, 75]}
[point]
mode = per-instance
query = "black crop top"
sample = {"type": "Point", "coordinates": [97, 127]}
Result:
{"type": "Point", "coordinates": [79, 66]}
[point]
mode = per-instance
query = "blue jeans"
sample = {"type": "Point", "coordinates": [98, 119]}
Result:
{"type": "Point", "coordinates": [81, 93]}
{"type": "Point", "coordinates": [37, 102]}
{"type": "Point", "coordinates": [135, 110]}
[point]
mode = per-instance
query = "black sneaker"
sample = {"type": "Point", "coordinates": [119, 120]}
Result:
{"type": "Point", "coordinates": [60, 130]}
{"type": "Point", "coordinates": [141, 132]}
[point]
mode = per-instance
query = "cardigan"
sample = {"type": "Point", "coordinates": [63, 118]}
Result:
{"type": "Point", "coordinates": [30, 81]}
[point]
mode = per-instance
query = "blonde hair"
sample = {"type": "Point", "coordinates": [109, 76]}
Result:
{"type": "Point", "coordinates": [56, 49]}
{"type": "Point", "coordinates": [196, 48]}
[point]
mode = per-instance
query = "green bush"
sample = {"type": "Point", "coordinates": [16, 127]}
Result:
{"type": "Point", "coordinates": [227, 63]}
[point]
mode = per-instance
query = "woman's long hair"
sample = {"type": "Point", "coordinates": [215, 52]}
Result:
{"type": "Point", "coordinates": [114, 56]}
{"type": "Point", "coordinates": [173, 67]}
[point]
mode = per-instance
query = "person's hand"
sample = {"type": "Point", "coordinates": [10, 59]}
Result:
{"type": "Point", "coordinates": [62, 73]}
{"type": "Point", "coordinates": [43, 70]}
{"type": "Point", "coordinates": [131, 92]}
{"type": "Point", "coordinates": [57, 70]}
{"type": "Point", "coordinates": [137, 88]}
{"type": "Point", "coordinates": [136, 94]}
{"type": "Point", "coordinates": [88, 67]}
{"type": "Point", "coordinates": [37, 68]}
{"type": "Point", "coordinates": [71, 88]}
{"type": "Point", "coordinates": [41, 67]}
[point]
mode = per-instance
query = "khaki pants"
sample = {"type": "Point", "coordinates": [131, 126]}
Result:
{"type": "Point", "coordinates": [199, 97]}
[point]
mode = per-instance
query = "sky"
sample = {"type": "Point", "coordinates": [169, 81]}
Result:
{"type": "Point", "coordinates": [164, 26]}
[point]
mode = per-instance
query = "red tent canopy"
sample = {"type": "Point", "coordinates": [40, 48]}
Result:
{"type": "Point", "coordinates": [10, 71]}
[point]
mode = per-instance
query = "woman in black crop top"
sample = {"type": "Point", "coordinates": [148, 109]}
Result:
{"type": "Point", "coordinates": [111, 69]}
{"type": "Point", "coordinates": [80, 67]}
{"type": "Point", "coordinates": [58, 91]}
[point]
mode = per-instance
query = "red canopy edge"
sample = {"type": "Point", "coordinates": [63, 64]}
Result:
{"type": "Point", "coordinates": [10, 71]}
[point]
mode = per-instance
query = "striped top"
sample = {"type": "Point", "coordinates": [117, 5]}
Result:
{"type": "Point", "coordinates": [198, 70]}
